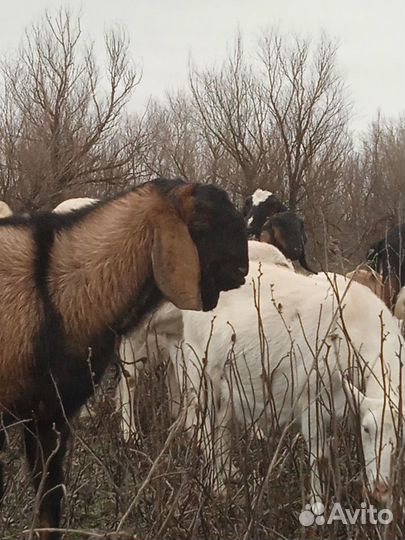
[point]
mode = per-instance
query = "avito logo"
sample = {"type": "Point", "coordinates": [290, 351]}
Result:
{"type": "Point", "coordinates": [315, 515]}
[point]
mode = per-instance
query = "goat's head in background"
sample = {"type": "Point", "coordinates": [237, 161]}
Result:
{"type": "Point", "coordinates": [286, 231]}
{"type": "Point", "coordinates": [380, 437]}
{"type": "Point", "coordinates": [5, 210]}
{"type": "Point", "coordinates": [258, 208]}
{"type": "Point", "coordinates": [219, 235]}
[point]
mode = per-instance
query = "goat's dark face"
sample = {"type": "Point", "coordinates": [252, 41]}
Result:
{"type": "Point", "coordinates": [219, 232]}
{"type": "Point", "coordinates": [258, 208]}
{"type": "Point", "coordinates": [286, 232]}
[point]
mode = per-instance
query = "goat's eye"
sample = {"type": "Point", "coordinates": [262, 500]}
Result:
{"type": "Point", "coordinates": [366, 430]}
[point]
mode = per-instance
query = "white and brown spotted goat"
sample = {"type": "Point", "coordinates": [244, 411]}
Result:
{"type": "Point", "coordinates": [70, 284]}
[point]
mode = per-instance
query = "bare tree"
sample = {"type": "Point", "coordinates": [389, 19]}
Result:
{"type": "Point", "coordinates": [281, 121]}
{"type": "Point", "coordinates": [173, 139]}
{"type": "Point", "coordinates": [61, 119]}
{"type": "Point", "coordinates": [230, 115]}
{"type": "Point", "coordinates": [374, 184]}
{"type": "Point", "coordinates": [179, 147]}
{"type": "Point", "coordinates": [305, 98]}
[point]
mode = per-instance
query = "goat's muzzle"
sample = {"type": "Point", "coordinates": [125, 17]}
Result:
{"type": "Point", "coordinates": [381, 491]}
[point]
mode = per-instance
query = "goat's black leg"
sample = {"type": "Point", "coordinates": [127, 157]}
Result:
{"type": "Point", "coordinates": [45, 444]}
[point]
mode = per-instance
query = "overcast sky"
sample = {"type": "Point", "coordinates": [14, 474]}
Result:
{"type": "Point", "coordinates": [165, 33]}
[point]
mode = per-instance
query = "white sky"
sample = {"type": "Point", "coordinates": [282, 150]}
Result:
{"type": "Point", "coordinates": [165, 33]}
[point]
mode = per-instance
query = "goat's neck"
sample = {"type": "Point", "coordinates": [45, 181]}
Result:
{"type": "Point", "coordinates": [101, 265]}
{"type": "Point", "coordinates": [378, 385]}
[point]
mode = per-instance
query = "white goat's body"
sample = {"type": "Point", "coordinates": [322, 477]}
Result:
{"type": "Point", "coordinates": [268, 254]}
{"type": "Point", "coordinates": [73, 204]}
{"type": "Point", "coordinates": [5, 210]}
{"type": "Point", "coordinates": [267, 330]}
{"type": "Point", "coordinates": [399, 310]}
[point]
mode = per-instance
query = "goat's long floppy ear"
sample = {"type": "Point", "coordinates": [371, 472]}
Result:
{"type": "Point", "coordinates": [357, 401]}
{"type": "Point", "coordinates": [175, 262]}
{"type": "Point", "coordinates": [303, 262]}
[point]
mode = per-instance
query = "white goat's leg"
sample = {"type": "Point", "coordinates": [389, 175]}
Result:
{"type": "Point", "coordinates": [223, 468]}
{"type": "Point", "coordinates": [207, 417]}
{"type": "Point", "coordinates": [313, 430]}
{"type": "Point", "coordinates": [173, 389]}
{"type": "Point", "coordinates": [212, 414]}
{"type": "Point", "coordinates": [199, 407]}
{"type": "Point", "coordinates": [211, 432]}
{"type": "Point", "coordinates": [126, 390]}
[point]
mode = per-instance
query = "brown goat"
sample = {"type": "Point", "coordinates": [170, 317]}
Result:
{"type": "Point", "coordinates": [71, 284]}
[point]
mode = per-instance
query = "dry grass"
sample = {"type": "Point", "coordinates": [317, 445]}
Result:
{"type": "Point", "coordinates": [158, 486]}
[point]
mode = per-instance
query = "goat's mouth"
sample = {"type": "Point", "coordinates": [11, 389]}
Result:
{"type": "Point", "coordinates": [380, 491]}
{"type": "Point", "coordinates": [237, 279]}
{"type": "Point", "coordinates": [230, 277]}
{"type": "Point", "coordinates": [219, 280]}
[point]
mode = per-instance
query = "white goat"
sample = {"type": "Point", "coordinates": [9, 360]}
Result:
{"type": "Point", "coordinates": [278, 350]}
{"type": "Point", "coordinates": [148, 345]}
{"type": "Point", "coordinates": [399, 310]}
{"type": "Point", "coordinates": [73, 204]}
{"type": "Point", "coordinates": [5, 210]}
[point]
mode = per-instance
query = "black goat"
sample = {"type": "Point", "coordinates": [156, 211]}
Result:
{"type": "Point", "coordinates": [286, 231]}
{"type": "Point", "coordinates": [259, 207]}
{"type": "Point", "coordinates": [268, 220]}
{"type": "Point", "coordinates": [387, 257]}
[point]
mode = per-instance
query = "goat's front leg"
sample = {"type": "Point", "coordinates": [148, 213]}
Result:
{"type": "Point", "coordinates": [45, 445]}
{"type": "Point", "coordinates": [125, 403]}
{"type": "Point", "coordinates": [212, 418]}
{"type": "Point", "coordinates": [173, 390]}
{"type": "Point", "coordinates": [207, 413]}
{"type": "Point", "coordinates": [313, 429]}
{"type": "Point", "coordinates": [222, 405]}
{"type": "Point", "coordinates": [126, 389]}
